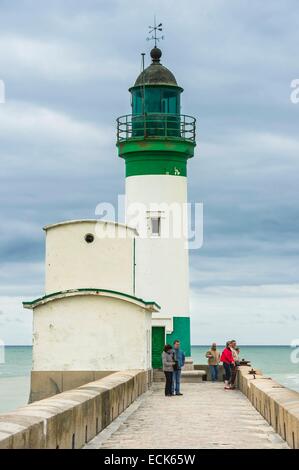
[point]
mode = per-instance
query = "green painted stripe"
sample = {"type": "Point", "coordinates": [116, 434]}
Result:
{"type": "Point", "coordinates": [70, 291]}
{"type": "Point", "coordinates": [156, 156]}
{"type": "Point", "coordinates": [156, 166]}
{"type": "Point", "coordinates": [181, 331]}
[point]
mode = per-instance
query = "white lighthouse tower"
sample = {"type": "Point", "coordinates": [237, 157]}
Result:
{"type": "Point", "coordinates": [156, 141]}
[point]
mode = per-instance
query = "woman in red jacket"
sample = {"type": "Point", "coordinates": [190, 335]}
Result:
{"type": "Point", "coordinates": [228, 361]}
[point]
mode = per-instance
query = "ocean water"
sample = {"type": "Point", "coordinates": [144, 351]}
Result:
{"type": "Point", "coordinates": [274, 361]}
{"type": "Point", "coordinates": [15, 377]}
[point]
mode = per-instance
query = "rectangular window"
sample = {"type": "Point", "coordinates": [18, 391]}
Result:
{"type": "Point", "coordinates": [155, 225]}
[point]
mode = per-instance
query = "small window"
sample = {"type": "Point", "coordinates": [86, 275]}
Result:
{"type": "Point", "coordinates": [89, 238]}
{"type": "Point", "coordinates": [155, 225]}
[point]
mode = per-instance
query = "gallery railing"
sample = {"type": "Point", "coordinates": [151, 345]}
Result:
{"type": "Point", "coordinates": [158, 125]}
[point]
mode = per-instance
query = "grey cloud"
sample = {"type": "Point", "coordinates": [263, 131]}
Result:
{"type": "Point", "coordinates": [67, 67]}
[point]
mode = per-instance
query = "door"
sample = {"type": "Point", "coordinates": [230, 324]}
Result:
{"type": "Point", "coordinates": [158, 343]}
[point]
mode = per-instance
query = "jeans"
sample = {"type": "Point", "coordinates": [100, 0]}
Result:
{"type": "Point", "coordinates": [176, 381]}
{"type": "Point", "coordinates": [168, 384]}
{"type": "Point", "coordinates": [214, 373]}
{"type": "Point", "coordinates": [227, 370]}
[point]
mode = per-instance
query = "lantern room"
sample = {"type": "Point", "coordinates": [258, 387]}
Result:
{"type": "Point", "coordinates": [156, 89]}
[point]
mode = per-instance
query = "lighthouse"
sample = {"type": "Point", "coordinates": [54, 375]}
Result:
{"type": "Point", "coordinates": [115, 293]}
{"type": "Point", "coordinates": [156, 141]}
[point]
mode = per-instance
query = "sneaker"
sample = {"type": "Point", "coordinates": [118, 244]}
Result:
{"type": "Point", "coordinates": [179, 394]}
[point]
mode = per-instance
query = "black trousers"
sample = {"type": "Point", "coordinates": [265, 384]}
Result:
{"type": "Point", "coordinates": [227, 371]}
{"type": "Point", "coordinates": [168, 384]}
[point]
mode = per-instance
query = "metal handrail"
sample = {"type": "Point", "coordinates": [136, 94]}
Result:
{"type": "Point", "coordinates": [156, 125]}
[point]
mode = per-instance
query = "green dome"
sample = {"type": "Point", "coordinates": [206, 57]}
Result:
{"type": "Point", "coordinates": [156, 73]}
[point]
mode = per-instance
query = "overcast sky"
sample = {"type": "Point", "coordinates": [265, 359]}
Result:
{"type": "Point", "coordinates": [67, 66]}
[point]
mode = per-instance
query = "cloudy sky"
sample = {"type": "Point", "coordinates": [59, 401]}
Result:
{"type": "Point", "coordinates": [67, 66]}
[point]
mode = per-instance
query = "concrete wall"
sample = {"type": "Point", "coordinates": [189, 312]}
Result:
{"type": "Point", "coordinates": [106, 263]}
{"type": "Point", "coordinates": [91, 332]}
{"type": "Point", "coordinates": [276, 403]}
{"type": "Point", "coordinates": [45, 384]}
{"type": "Point", "coordinates": [206, 368]}
{"type": "Point", "coordinates": [72, 418]}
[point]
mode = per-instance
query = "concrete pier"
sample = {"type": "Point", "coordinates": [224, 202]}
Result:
{"type": "Point", "coordinates": [125, 410]}
{"type": "Point", "coordinates": [205, 417]}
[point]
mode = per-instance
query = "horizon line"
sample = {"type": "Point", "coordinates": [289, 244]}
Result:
{"type": "Point", "coordinates": [192, 345]}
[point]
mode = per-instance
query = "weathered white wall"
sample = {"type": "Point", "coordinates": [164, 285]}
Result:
{"type": "Point", "coordinates": [71, 263]}
{"type": "Point", "coordinates": [91, 332]}
{"type": "Point", "coordinates": [162, 264]}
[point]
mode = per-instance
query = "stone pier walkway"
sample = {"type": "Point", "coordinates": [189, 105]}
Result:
{"type": "Point", "coordinates": [205, 417]}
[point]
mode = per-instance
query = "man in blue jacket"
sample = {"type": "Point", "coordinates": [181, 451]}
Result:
{"type": "Point", "coordinates": [179, 358]}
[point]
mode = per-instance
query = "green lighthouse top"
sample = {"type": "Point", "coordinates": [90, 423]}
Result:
{"type": "Point", "coordinates": [156, 89]}
{"type": "Point", "coordinates": [156, 73]}
{"type": "Point", "coordinates": [156, 138]}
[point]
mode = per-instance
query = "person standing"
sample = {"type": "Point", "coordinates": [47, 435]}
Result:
{"type": "Point", "coordinates": [228, 362]}
{"type": "Point", "coordinates": [168, 363]}
{"type": "Point", "coordinates": [237, 359]}
{"type": "Point", "coordinates": [213, 356]}
{"type": "Point", "coordinates": [179, 358]}
{"type": "Point", "coordinates": [233, 346]}
{"type": "Point", "coordinates": [234, 368]}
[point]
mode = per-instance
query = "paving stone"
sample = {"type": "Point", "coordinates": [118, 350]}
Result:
{"type": "Point", "coordinates": [205, 417]}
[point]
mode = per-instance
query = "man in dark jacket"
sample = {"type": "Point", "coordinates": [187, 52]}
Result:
{"type": "Point", "coordinates": [179, 358]}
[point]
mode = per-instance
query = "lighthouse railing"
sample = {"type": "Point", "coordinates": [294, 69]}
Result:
{"type": "Point", "coordinates": [156, 125]}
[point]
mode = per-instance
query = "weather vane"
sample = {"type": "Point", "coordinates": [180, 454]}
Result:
{"type": "Point", "coordinates": [154, 29]}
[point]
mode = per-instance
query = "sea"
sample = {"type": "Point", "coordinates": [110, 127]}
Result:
{"type": "Point", "coordinates": [279, 362]}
